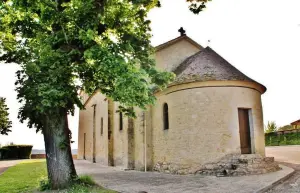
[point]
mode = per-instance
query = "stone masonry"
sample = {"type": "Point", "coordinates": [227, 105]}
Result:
{"type": "Point", "coordinates": [230, 165]}
{"type": "Point", "coordinates": [205, 130]}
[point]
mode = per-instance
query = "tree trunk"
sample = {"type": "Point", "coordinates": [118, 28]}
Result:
{"type": "Point", "coordinates": [60, 165]}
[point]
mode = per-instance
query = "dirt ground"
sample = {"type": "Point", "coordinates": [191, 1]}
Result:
{"type": "Point", "coordinates": [288, 156]}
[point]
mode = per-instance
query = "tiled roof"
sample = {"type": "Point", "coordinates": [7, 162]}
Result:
{"type": "Point", "coordinates": [207, 65]}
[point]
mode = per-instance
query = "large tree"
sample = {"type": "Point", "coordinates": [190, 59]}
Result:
{"type": "Point", "coordinates": [271, 127]}
{"type": "Point", "coordinates": [64, 46]}
{"type": "Point", "coordinates": [5, 123]}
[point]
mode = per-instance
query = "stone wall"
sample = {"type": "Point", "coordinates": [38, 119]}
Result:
{"type": "Point", "coordinates": [125, 148]}
{"type": "Point", "coordinates": [86, 128]}
{"type": "Point", "coordinates": [204, 125]}
{"type": "Point", "coordinates": [230, 165]}
{"type": "Point", "coordinates": [120, 147]}
{"type": "Point", "coordinates": [143, 141]}
{"type": "Point", "coordinates": [170, 57]}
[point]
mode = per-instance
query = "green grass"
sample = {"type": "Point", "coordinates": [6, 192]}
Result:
{"type": "Point", "coordinates": [26, 177]}
{"type": "Point", "coordinates": [23, 177]}
{"type": "Point", "coordinates": [77, 188]}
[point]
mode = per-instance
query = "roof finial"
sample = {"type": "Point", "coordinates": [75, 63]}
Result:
{"type": "Point", "coordinates": [182, 31]}
{"type": "Point", "coordinates": [208, 43]}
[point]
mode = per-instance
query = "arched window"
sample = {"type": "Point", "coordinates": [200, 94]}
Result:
{"type": "Point", "coordinates": [121, 121]}
{"type": "Point", "coordinates": [166, 116]}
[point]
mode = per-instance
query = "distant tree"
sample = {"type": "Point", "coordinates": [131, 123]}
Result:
{"type": "Point", "coordinates": [196, 6]}
{"type": "Point", "coordinates": [271, 127]}
{"type": "Point", "coordinates": [5, 123]}
{"type": "Point", "coordinates": [285, 127]}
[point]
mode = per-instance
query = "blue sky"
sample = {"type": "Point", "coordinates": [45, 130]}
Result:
{"type": "Point", "coordinates": [259, 37]}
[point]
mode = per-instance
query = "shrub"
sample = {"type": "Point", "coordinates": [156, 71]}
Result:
{"type": "Point", "coordinates": [15, 152]}
{"type": "Point", "coordinates": [3, 153]}
{"type": "Point", "coordinates": [288, 138]}
{"type": "Point", "coordinates": [78, 185]}
{"type": "Point", "coordinates": [86, 180]}
{"type": "Point", "coordinates": [45, 185]}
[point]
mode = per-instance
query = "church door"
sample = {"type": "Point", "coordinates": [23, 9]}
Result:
{"type": "Point", "coordinates": [244, 124]}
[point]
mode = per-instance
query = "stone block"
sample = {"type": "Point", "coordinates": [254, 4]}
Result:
{"type": "Point", "coordinates": [241, 160]}
{"type": "Point", "coordinates": [257, 160]}
{"type": "Point", "coordinates": [182, 171]}
{"type": "Point", "coordinates": [209, 166]}
{"type": "Point", "coordinates": [165, 167]}
{"type": "Point", "coordinates": [195, 169]}
{"type": "Point", "coordinates": [269, 159]}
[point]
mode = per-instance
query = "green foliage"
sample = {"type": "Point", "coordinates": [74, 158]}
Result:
{"type": "Point", "coordinates": [3, 153]}
{"type": "Point", "coordinates": [83, 184]}
{"type": "Point", "coordinates": [271, 127]}
{"type": "Point", "coordinates": [290, 138]}
{"type": "Point", "coordinates": [16, 152]}
{"type": "Point", "coordinates": [77, 188]}
{"type": "Point", "coordinates": [64, 46]}
{"type": "Point", "coordinates": [45, 185]}
{"type": "Point", "coordinates": [86, 180]}
{"type": "Point", "coordinates": [285, 127]}
{"type": "Point", "coordinates": [68, 45]}
{"type": "Point", "coordinates": [5, 123]}
{"type": "Point", "coordinates": [196, 6]}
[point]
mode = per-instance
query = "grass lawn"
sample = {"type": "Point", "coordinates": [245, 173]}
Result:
{"type": "Point", "coordinates": [26, 177]}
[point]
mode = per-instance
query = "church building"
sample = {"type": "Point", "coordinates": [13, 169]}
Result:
{"type": "Point", "coordinates": [211, 114]}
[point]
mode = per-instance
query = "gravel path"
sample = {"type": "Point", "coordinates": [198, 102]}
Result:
{"type": "Point", "coordinates": [4, 165]}
{"type": "Point", "coordinates": [289, 156]}
{"type": "Point", "coordinates": [153, 182]}
{"type": "Point", "coordinates": [290, 185]}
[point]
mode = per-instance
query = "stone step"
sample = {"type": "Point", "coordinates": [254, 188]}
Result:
{"type": "Point", "coordinates": [233, 165]}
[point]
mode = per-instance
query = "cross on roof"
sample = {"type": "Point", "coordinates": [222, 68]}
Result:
{"type": "Point", "coordinates": [182, 31]}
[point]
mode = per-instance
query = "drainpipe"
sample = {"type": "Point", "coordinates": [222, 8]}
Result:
{"type": "Point", "coordinates": [145, 142]}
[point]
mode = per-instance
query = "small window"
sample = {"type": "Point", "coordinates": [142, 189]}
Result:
{"type": "Point", "coordinates": [121, 120]}
{"type": "Point", "coordinates": [166, 116]}
{"type": "Point", "coordinates": [101, 129]}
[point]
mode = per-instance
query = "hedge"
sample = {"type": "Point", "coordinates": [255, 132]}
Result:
{"type": "Point", "coordinates": [15, 152]}
{"type": "Point", "coordinates": [274, 139]}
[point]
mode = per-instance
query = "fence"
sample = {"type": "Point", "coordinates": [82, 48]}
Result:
{"type": "Point", "coordinates": [289, 137]}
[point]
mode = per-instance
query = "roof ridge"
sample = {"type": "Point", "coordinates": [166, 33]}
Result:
{"type": "Point", "coordinates": [173, 41]}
